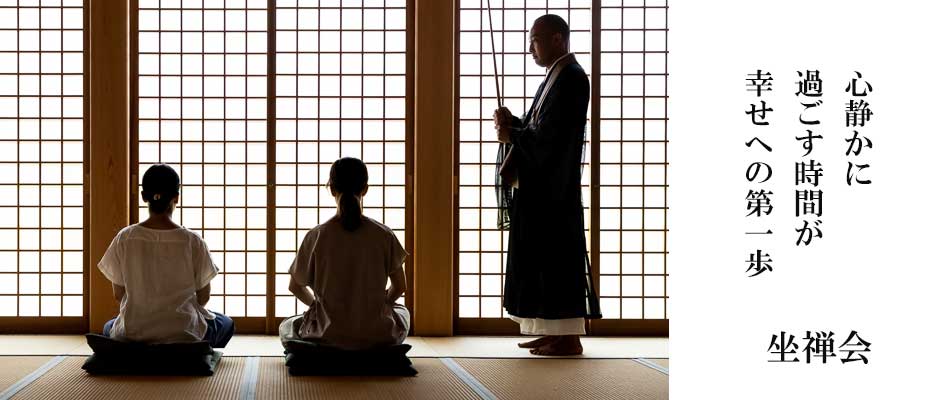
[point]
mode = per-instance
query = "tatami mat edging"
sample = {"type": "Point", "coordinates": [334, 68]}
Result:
{"type": "Point", "coordinates": [263, 378]}
{"type": "Point", "coordinates": [29, 378]}
{"type": "Point", "coordinates": [650, 364]}
{"type": "Point", "coordinates": [469, 380]}
{"type": "Point", "coordinates": [249, 380]}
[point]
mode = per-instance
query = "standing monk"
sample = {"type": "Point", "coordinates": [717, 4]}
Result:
{"type": "Point", "coordinates": [548, 285]}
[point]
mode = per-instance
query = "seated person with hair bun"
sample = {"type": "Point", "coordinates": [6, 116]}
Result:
{"type": "Point", "coordinates": [341, 270]}
{"type": "Point", "coordinates": [161, 274]}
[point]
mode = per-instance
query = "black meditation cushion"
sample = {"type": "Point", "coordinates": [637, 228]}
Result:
{"type": "Point", "coordinates": [308, 358]}
{"type": "Point", "coordinates": [114, 357]}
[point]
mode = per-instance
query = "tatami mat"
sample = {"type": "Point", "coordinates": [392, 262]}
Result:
{"type": "Point", "coordinates": [527, 379]}
{"type": "Point", "coordinates": [15, 345]}
{"type": "Point", "coordinates": [14, 368]}
{"type": "Point", "coordinates": [507, 347]}
{"type": "Point", "coordinates": [456, 346]}
{"type": "Point", "coordinates": [420, 347]}
{"type": "Point", "coordinates": [267, 378]}
{"type": "Point", "coordinates": [663, 362]}
{"type": "Point", "coordinates": [254, 345]}
{"type": "Point", "coordinates": [269, 346]}
{"type": "Point", "coordinates": [68, 381]}
{"type": "Point", "coordinates": [435, 381]}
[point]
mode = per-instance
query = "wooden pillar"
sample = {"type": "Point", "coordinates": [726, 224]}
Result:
{"type": "Point", "coordinates": [433, 176]}
{"type": "Point", "coordinates": [108, 137]}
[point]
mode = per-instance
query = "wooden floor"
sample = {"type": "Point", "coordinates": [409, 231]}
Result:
{"type": "Point", "coordinates": [48, 367]}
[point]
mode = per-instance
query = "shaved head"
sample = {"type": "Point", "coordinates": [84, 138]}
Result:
{"type": "Point", "coordinates": [551, 24]}
{"type": "Point", "coordinates": [548, 39]}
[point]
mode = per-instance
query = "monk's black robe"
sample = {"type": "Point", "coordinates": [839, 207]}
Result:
{"type": "Point", "coordinates": [548, 271]}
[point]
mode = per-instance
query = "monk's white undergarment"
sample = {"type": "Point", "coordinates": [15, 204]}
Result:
{"type": "Point", "coordinates": [541, 326]}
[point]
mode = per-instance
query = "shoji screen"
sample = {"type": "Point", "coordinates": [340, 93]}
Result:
{"type": "Point", "coordinates": [341, 92]}
{"type": "Point", "coordinates": [622, 45]}
{"type": "Point", "coordinates": [41, 165]}
{"type": "Point", "coordinates": [339, 71]}
{"type": "Point", "coordinates": [481, 246]}
{"type": "Point", "coordinates": [633, 162]}
{"type": "Point", "coordinates": [202, 108]}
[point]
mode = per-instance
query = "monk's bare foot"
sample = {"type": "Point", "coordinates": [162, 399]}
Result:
{"type": "Point", "coordinates": [568, 345]}
{"type": "Point", "coordinates": [541, 341]}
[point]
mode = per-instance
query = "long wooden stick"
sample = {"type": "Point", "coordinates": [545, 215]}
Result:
{"type": "Point", "coordinates": [491, 31]}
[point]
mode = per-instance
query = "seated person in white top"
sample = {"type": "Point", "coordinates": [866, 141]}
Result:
{"type": "Point", "coordinates": [161, 274]}
{"type": "Point", "coordinates": [346, 262]}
